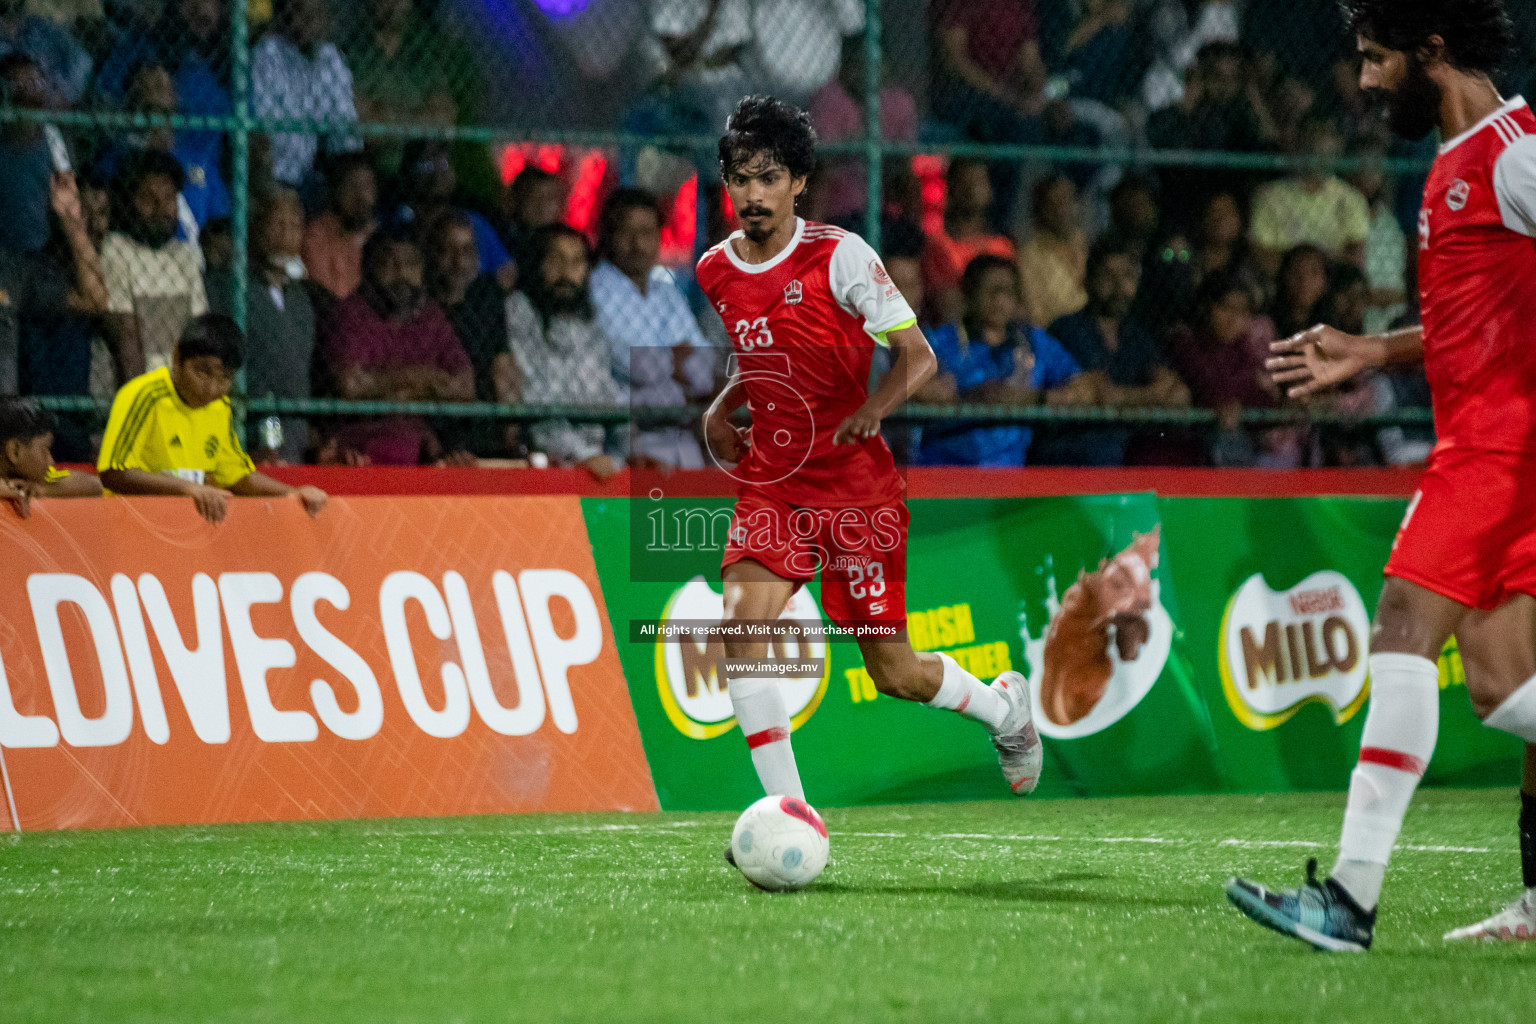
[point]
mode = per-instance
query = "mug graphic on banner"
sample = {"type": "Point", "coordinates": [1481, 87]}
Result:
{"type": "Point", "coordinates": [1282, 649]}
{"type": "Point", "coordinates": [692, 693]}
{"type": "Point", "coordinates": [1106, 644]}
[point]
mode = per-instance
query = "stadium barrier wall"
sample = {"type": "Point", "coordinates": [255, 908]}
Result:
{"type": "Point", "coordinates": [394, 656]}
{"type": "Point", "coordinates": [318, 669]}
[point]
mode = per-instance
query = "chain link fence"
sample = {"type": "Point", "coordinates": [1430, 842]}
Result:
{"type": "Point", "coordinates": [462, 230]}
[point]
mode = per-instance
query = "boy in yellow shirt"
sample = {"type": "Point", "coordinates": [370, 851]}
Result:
{"type": "Point", "coordinates": [26, 459]}
{"type": "Point", "coordinates": [171, 430]}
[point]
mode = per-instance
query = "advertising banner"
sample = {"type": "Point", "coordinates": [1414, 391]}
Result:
{"type": "Point", "coordinates": [393, 656]}
{"type": "Point", "coordinates": [986, 579]}
{"type": "Point", "coordinates": [1286, 588]}
{"type": "Point", "coordinates": [1171, 645]}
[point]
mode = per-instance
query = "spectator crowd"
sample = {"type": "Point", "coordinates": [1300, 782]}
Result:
{"type": "Point", "coordinates": [381, 268]}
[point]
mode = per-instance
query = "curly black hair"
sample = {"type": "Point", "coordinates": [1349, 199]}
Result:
{"type": "Point", "coordinates": [23, 420]}
{"type": "Point", "coordinates": [1478, 34]}
{"type": "Point", "coordinates": [762, 124]}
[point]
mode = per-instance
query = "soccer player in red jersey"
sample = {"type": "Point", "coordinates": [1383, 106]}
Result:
{"type": "Point", "coordinates": [1464, 561]}
{"type": "Point", "coordinates": [805, 305]}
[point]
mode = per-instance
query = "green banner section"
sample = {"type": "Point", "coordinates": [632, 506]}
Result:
{"type": "Point", "coordinates": [1171, 645]}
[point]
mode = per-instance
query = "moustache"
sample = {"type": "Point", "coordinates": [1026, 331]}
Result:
{"type": "Point", "coordinates": [754, 211]}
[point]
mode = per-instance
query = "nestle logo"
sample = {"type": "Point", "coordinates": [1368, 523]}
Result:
{"type": "Point", "coordinates": [1316, 602]}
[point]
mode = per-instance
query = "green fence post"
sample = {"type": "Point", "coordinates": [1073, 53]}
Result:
{"type": "Point", "coordinates": [240, 177]}
{"type": "Point", "coordinates": [240, 151]}
{"type": "Point", "coordinates": [873, 148]}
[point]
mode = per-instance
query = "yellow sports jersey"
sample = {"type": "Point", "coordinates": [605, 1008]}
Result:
{"type": "Point", "coordinates": [152, 429]}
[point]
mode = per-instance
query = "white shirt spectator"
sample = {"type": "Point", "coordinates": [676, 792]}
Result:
{"type": "Point", "coordinates": [1177, 43]}
{"type": "Point", "coordinates": [162, 288]}
{"type": "Point", "coordinates": [800, 42]}
{"type": "Point", "coordinates": [287, 84]}
{"type": "Point", "coordinates": [642, 330]}
{"type": "Point", "coordinates": [562, 362]}
{"type": "Point", "coordinates": [677, 18]}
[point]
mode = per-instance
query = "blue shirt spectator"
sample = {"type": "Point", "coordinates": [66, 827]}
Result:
{"type": "Point", "coordinates": [65, 66]}
{"type": "Point", "coordinates": [1029, 355]}
{"type": "Point", "coordinates": [25, 161]}
{"type": "Point", "coordinates": [152, 90]}
{"type": "Point", "coordinates": [428, 183]}
{"type": "Point", "coordinates": [189, 42]}
{"type": "Point", "coordinates": [994, 357]}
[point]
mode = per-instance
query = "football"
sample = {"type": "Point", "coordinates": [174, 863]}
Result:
{"type": "Point", "coordinates": [780, 843]}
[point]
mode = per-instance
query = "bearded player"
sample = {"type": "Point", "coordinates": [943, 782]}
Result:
{"type": "Point", "coordinates": [805, 305]}
{"type": "Point", "coordinates": [1464, 561]}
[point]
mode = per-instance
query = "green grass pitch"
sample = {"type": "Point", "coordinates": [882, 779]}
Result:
{"type": "Point", "coordinates": [1068, 910]}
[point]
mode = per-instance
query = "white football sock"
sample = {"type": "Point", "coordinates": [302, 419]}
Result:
{"type": "Point", "coordinates": [765, 723]}
{"type": "Point", "coordinates": [1399, 738]}
{"type": "Point", "coordinates": [964, 693]}
{"type": "Point", "coordinates": [1517, 715]}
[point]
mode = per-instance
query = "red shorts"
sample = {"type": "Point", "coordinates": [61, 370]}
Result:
{"type": "Point", "coordinates": [1470, 531]}
{"type": "Point", "coordinates": [860, 552]}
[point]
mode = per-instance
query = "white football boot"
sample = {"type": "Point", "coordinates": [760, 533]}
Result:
{"type": "Point", "coordinates": [1019, 751]}
{"type": "Point", "coordinates": [1515, 923]}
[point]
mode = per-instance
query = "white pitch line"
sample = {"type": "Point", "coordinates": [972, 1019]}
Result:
{"type": "Point", "coordinates": [1011, 838]}
{"type": "Point", "coordinates": [1242, 843]}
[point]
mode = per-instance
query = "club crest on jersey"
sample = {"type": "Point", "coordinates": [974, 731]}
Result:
{"type": "Point", "coordinates": [877, 271]}
{"type": "Point", "coordinates": [1458, 195]}
{"type": "Point", "coordinates": [793, 293]}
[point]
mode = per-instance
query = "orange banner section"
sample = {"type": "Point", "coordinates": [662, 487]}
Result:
{"type": "Point", "coordinates": [395, 656]}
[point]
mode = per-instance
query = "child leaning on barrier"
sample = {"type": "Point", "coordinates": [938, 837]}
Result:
{"type": "Point", "coordinates": [26, 459]}
{"type": "Point", "coordinates": [172, 431]}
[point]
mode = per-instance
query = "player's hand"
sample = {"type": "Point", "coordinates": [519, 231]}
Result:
{"type": "Point", "coordinates": [601, 466]}
{"type": "Point", "coordinates": [728, 442]}
{"type": "Point", "coordinates": [64, 197]}
{"type": "Point", "coordinates": [19, 494]}
{"type": "Point", "coordinates": [1319, 358]}
{"type": "Point", "coordinates": [312, 498]}
{"type": "Point", "coordinates": [861, 426]}
{"type": "Point", "coordinates": [211, 503]}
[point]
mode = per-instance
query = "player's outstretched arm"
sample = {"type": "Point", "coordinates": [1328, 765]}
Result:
{"type": "Point", "coordinates": [259, 485]}
{"type": "Point", "coordinates": [211, 502]}
{"type": "Point", "coordinates": [912, 364]}
{"type": "Point", "coordinates": [1321, 357]}
{"type": "Point", "coordinates": [73, 485]}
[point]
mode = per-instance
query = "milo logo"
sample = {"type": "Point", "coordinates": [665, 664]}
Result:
{"type": "Point", "coordinates": [687, 679]}
{"type": "Point", "coordinates": [1282, 649]}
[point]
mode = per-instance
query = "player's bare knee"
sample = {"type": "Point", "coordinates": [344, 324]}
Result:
{"type": "Point", "coordinates": [1412, 620]}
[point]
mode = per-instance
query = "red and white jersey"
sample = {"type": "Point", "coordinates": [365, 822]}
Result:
{"type": "Point", "coordinates": [804, 326]}
{"type": "Point", "coordinates": [1477, 282]}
